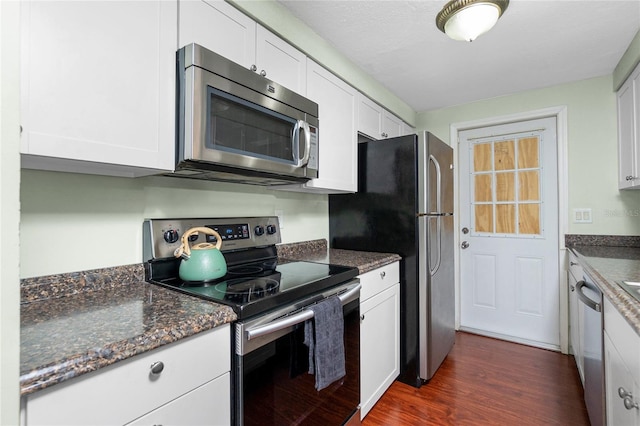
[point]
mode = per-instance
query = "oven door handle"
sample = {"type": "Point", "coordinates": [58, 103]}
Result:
{"type": "Point", "coordinates": [302, 316]}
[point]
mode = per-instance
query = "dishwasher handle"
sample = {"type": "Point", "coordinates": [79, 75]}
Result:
{"type": "Point", "coordinates": [584, 299]}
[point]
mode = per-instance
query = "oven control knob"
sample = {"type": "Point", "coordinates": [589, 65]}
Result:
{"type": "Point", "coordinates": [259, 230]}
{"type": "Point", "coordinates": [271, 229]}
{"type": "Point", "coordinates": [171, 236]}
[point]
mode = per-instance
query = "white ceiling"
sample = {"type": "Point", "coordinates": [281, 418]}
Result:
{"type": "Point", "coordinates": [535, 44]}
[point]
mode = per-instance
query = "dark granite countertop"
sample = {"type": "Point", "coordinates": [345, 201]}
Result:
{"type": "Point", "coordinates": [608, 264]}
{"type": "Point", "coordinates": [75, 323]}
{"type": "Point", "coordinates": [72, 324]}
{"type": "Point", "coordinates": [318, 251]}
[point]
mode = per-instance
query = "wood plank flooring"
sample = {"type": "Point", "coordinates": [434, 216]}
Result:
{"type": "Point", "coordinates": [485, 381]}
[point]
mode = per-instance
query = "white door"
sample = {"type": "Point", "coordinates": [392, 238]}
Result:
{"type": "Point", "coordinates": [509, 281]}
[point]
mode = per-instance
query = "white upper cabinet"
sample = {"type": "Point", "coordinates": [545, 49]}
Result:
{"type": "Point", "coordinates": [98, 86]}
{"type": "Point", "coordinates": [222, 28]}
{"type": "Point", "coordinates": [376, 122]}
{"type": "Point", "coordinates": [629, 132]}
{"type": "Point", "coordinates": [337, 135]}
{"type": "Point", "coordinates": [279, 61]}
{"type": "Point", "coordinates": [391, 125]}
{"type": "Point", "coordinates": [219, 27]}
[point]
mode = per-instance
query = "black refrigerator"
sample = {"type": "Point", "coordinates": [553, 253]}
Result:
{"type": "Point", "coordinates": [404, 205]}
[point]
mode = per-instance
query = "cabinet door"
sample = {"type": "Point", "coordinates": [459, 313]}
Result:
{"type": "Point", "coordinates": [629, 132]}
{"type": "Point", "coordinates": [126, 390]}
{"type": "Point", "coordinates": [98, 85]}
{"type": "Point", "coordinates": [208, 405]}
{"type": "Point", "coordinates": [369, 117]}
{"type": "Point", "coordinates": [618, 379]}
{"type": "Point", "coordinates": [277, 60]}
{"type": "Point", "coordinates": [337, 137]}
{"type": "Point", "coordinates": [391, 125]}
{"type": "Point", "coordinates": [219, 27]}
{"type": "Point", "coordinates": [406, 129]}
{"type": "Point", "coordinates": [380, 346]}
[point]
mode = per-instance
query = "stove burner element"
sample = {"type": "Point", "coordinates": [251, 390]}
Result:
{"type": "Point", "coordinates": [247, 290]}
{"type": "Point", "coordinates": [245, 270]}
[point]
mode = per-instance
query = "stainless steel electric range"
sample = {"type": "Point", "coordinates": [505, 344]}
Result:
{"type": "Point", "coordinates": [271, 384]}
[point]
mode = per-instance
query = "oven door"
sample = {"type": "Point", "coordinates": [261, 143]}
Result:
{"type": "Point", "coordinates": [229, 124]}
{"type": "Point", "coordinates": [272, 383]}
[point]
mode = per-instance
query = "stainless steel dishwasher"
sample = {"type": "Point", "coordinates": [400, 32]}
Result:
{"type": "Point", "coordinates": [591, 311]}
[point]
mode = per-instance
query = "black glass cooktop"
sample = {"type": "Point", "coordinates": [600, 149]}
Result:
{"type": "Point", "coordinates": [259, 287]}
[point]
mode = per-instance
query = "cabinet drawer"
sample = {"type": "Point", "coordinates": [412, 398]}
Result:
{"type": "Point", "coordinates": [373, 282]}
{"type": "Point", "coordinates": [574, 267]}
{"type": "Point", "coordinates": [209, 405]}
{"type": "Point", "coordinates": [127, 390]}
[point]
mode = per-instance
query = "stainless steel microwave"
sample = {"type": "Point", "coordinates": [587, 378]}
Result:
{"type": "Point", "coordinates": [235, 125]}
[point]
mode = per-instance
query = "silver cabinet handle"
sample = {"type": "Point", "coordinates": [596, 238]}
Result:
{"type": "Point", "coordinates": [629, 404]}
{"type": "Point", "coordinates": [263, 73]}
{"type": "Point", "coordinates": [464, 245]}
{"type": "Point", "coordinates": [253, 68]}
{"type": "Point", "coordinates": [156, 368]}
{"type": "Point", "coordinates": [631, 177]}
{"type": "Point", "coordinates": [572, 288]}
{"type": "Point", "coordinates": [573, 263]}
{"type": "Point", "coordinates": [383, 274]}
{"type": "Point", "coordinates": [622, 392]}
{"type": "Point", "coordinates": [465, 230]}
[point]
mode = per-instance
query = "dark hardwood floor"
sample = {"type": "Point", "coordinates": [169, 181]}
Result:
{"type": "Point", "coordinates": [485, 381]}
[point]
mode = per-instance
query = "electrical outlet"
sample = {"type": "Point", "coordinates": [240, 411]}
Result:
{"type": "Point", "coordinates": [280, 214]}
{"type": "Point", "coordinates": [582, 216]}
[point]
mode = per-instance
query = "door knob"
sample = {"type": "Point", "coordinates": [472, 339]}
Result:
{"type": "Point", "coordinates": [464, 245]}
{"type": "Point", "coordinates": [465, 230]}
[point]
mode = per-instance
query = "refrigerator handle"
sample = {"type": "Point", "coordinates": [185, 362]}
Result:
{"type": "Point", "coordinates": [434, 268]}
{"type": "Point", "coordinates": [433, 160]}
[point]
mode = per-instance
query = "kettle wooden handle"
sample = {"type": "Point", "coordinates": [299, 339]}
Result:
{"type": "Point", "coordinates": [185, 240]}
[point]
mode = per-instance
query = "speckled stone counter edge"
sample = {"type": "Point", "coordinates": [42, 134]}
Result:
{"type": "Point", "coordinates": [601, 240]}
{"type": "Point", "coordinates": [38, 289]}
{"type": "Point", "coordinates": [62, 285]}
{"type": "Point", "coordinates": [625, 303]}
{"type": "Point", "coordinates": [317, 251]}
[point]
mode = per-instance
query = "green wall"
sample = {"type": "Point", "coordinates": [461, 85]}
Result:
{"type": "Point", "coordinates": [592, 147]}
{"type": "Point", "coordinates": [72, 222]}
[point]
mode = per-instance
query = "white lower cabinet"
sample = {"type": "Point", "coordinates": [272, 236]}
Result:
{"type": "Point", "coordinates": [192, 388]}
{"type": "Point", "coordinates": [206, 405]}
{"type": "Point", "coordinates": [379, 333]}
{"type": "Point", "coordinates": [622, 369]}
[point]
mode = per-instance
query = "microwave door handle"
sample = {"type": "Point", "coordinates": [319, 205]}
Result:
{"type": "Point", "coordinates": [303, 126]}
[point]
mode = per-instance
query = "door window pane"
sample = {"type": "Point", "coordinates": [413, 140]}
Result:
{"type": "Point", "coordinates": [484, 217]}
{"type": "Point", "coordinates": [483, 188]}
{"type": "Point", "coordinates": [529, 219]}
{"type": "Point", "coordinates": [506, 218]}
{"type": "Point", "coordinates": [504, 155]}
{"type": "Point", "coordinates": [507, 187]}
{"type": "Point", "coordinates": [482, 157]}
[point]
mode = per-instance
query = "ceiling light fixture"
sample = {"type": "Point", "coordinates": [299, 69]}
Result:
{"type": "Point", "coordinates": [466, 19]}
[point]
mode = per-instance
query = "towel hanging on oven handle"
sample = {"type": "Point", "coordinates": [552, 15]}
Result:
{"type": "Point", "coordinates": [296, 318]}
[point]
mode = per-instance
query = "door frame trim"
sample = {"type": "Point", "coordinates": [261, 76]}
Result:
{"type": "Point", "coordinates": [562, 140]}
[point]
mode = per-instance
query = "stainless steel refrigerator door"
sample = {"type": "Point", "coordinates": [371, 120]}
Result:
{"type": "Point", "coordinates": [436, 289]}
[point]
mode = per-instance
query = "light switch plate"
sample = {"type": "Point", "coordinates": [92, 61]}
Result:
{"type": "Point", "coordinates": [582, 215]}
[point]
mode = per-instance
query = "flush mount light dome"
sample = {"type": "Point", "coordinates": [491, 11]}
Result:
{"type": "Point", "coordinates": [467, 19]}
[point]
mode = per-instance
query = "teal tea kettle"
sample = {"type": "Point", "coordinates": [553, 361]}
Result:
{"type": "Point", "coordinates": [203, 261]}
